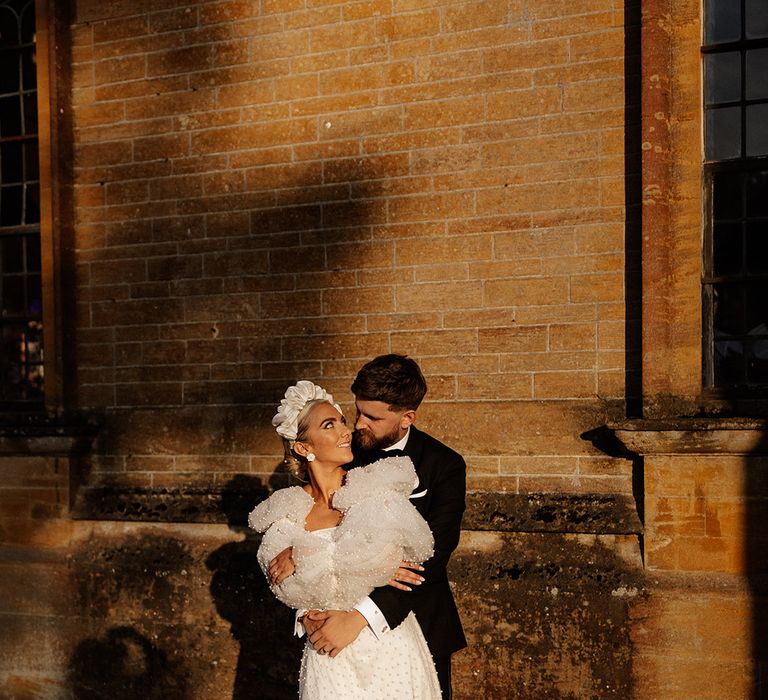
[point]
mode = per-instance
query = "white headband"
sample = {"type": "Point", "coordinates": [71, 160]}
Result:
{"type": "Point", "coordinates": [286, 420]}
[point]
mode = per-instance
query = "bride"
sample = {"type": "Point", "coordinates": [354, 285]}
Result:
{"type": "Point", "coordinates": [349, 532]}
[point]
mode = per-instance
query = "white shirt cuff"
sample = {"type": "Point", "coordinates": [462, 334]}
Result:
{"type": "Point", "coordinates": [298, 627]}
{"type": "Point", "coordinates": [375, 618]}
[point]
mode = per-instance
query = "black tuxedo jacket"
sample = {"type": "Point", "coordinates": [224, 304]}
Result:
{"type": "Point", "coordinates": [439, 498]}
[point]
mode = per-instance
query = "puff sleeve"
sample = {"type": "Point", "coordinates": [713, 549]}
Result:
{"type": "Point", "coordinates": [335, 569]}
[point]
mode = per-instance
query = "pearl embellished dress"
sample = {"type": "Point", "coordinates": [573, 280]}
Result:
{"type": "Point", "coordinates": [337, 567]}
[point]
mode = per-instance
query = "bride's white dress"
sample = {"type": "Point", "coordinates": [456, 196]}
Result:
{"type": "Point", "coordinates": [337, 567]}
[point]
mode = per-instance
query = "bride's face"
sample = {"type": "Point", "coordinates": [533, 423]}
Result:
{"type": "Point", "coordinates": [328, 436]}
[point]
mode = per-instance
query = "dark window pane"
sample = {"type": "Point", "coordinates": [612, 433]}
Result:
{"type": "Point", "coordinates": [723, 133]}
{"type": "Point", "coordinates": [10, 113]}
{"type": "Point", "coordinates": [11, 254]}
{"type": "Point", "coordinates": [729, 362]}
{"type": "Point", "coordinates": [757, 356]}
{"type": "Point", "coordinates": [757, 306]}
{"type": "Point", "coordinates": [34, 292]}
{"type": "Point", "coordinates": [10, 361]}
{"type": "Point", "coordinates": [10, 205]}
{"type": "Point", "coordinates": [757, 366]}
{"type": "Point", "coordinates": [757, 130]}
{"type": "Point", "coordinates": [31, 162]}
{"type": "Point", "coordinates": [757, 247]}
{"type": "Point", "coordinates": [33, 253]}
{"type": "Point", "coordinates": [722, 21]}
{"type": "Point", "coordinates": [32, 210]}
{"type": "Point", "coordinates": [20, 377]}
{"type": "Point", "coordinates": [30, 113]}
{"type": "Point", "coordinates": [13, 296]}
{"type": "Point", "coordinates": [757, 194]}
{"type": "Point", "coordinates": [9, 28]}
{"type": "Point", "coordinates": [28, 23]}
{"type": "Point", "coordinates": [10, 163]}
{"type": "Point", "coordinates": [9, 72]}
{"type": "Point", "coordinates": [21, 340]}
{"type": "Point", "coordinates": [729, 310]}
{"type": "Point", "coordinates": [29, 69]}
{"type": "Point", "coordinates": [722, 77]}
{"type": "Point", "coordinates": [757, 18]}
{"type": "Point", "coordinates": [727, 249]}
{"type": "Point", "coordinates": [757, 74]}
{"type": "Point", "coordinates": [726, 196]}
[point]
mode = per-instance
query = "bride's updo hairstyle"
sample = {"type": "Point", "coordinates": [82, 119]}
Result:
{"type": "Point", "coordinates": [292, 421]}
{"type": "Point", "coordinates": [295, 463]}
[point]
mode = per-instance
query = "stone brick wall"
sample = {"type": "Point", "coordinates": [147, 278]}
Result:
{"type": "Point", "coordinates": [274, 190]}
{"type": "Point", "coordinates": [277, 189]}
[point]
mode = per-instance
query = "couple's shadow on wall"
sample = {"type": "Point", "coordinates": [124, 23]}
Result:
{"type": "Point", "coordinates": [124, 665]}
{"type": "Point", "coordinates": [269, 654]}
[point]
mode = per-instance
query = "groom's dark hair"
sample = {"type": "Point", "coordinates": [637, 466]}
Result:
{"type": "Point", "coordinates": [394, 379]}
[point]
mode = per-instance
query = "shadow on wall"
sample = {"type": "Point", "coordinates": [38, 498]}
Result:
{"type": "Point", "coordinates": [246, 263]}
{"type": "Point", "coordinates": [757, 563]}
{"type": "Point", "coordinates": [633, 187]}
{"type": "Point", "coordinates": [269, 654]}
{"type": "Point", "coordinates": [132, 582]}
{"type": "Point", "coordinates": [124, 665]}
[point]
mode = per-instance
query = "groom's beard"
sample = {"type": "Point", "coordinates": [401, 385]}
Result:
{"type": "Point", "coordinates": [365, 440]}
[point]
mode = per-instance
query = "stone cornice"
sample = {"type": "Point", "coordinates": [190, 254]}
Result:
{"type": "Point", "coordinates": [736, 436]}
{"type": "Point", "coordinates": [606, 514]}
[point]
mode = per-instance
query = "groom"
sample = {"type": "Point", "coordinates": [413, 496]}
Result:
{"type": "Point", "coordinates": [388, 391]}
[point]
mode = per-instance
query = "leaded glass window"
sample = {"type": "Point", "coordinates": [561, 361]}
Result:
{"type": "Point", "coordinates": [735, 282]}
{"type": "Point", "coordinates": [21, 338]}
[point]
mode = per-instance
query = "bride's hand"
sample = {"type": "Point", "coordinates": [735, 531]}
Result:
{"type": "Point", "coordinates": [311, 625]}
{"type": "Point", "coordinates": [281, 567]}
{"type": "Point", "coordinates": [406, 575]}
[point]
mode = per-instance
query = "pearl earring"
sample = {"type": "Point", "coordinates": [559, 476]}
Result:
{"type": "Point", "coordinates": [311, 457]}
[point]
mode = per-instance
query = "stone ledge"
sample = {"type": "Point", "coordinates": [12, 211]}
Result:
{"type": "Point", "coordinates": [581, 513]}
{"type": "Point", "coordinates": [609, 514]}
{"type": "Point", "coordinates": [694, 436]}
{"type": "Point", "coordinates": [40, 434]}
{"type": "Point", "coordinates": [191, 504]}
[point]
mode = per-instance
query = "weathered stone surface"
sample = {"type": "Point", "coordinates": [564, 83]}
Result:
{"type": "Point", "coordinates": [543, 512]}
{"type": "Point", "coordinates": [547, 615]}
{"type": "Point", "coordinates": [147, 611]}
{"type": "Point", "coordinates": [230, 503]}
{"type": "Point", "coordinates": [686, 620]}
{"type": "Point", "coordinates": [694, 435]}
{"type": "Point", "coordinates": [44, 434]}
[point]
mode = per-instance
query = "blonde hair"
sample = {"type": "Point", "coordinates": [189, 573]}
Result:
{"type": "Point", "coordinates": [292, 460]}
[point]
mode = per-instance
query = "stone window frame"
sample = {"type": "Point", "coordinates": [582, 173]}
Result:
{"type": "Point", "coordinates": [674, 218]}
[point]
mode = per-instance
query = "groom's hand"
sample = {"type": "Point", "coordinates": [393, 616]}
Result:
{"type": "Point", "coordinates": [281, 567]}
{"type": "Point", "coordinates": [338, 628]}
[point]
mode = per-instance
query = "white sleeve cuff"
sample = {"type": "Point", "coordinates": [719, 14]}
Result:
{"type": "Point", "coordinates": [298, 627]}
{"type": "Point", "coordinates": [375, 618]}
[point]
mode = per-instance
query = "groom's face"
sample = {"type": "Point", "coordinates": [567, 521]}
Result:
{"type": "Point", "coordinates": [377, 427]}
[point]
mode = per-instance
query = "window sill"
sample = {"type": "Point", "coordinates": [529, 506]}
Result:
{"type": "Point", "coordinates": [39, 434]}
{"type": "Point", "coordinates": [736, 436]}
